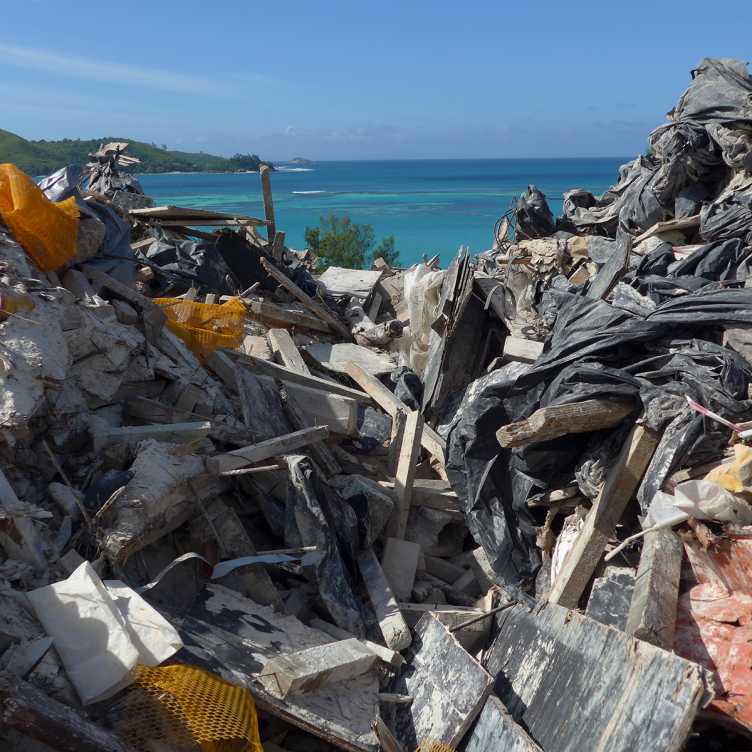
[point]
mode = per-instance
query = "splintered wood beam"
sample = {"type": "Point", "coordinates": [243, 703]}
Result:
{"type": "Point", "coordinates": [392, 624]}
{"type": "Point", "coordinates": [288, 375]}
{"type": "Point", "coordinates": [431, 441]}
{"type": "Point", "coordinates": [652, 613]}
{"type": "Point", "coordinates": [621, 484]}
{"type": "Point", "coordinates": [407, 466]}
{"type": "Point", "coordinates": [549, 423]}
{"type": "Point", "coordinates": [316, 307]}
{"type": "Point", "coordinates": [33, 713]}
{"type": "Point", "coordinates": [274, 315]}
{"type": "Point", "coordinates": [221, 463]}
{"type": "Point", "coordinates": [285, 351]}
{"type": "Point", "coordinates": [266, 188]}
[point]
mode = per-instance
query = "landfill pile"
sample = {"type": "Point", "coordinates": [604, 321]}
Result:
{"type": "Point", "coordinates": [250, 504]}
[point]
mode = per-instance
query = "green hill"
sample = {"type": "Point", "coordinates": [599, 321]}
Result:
{"type": "Point", "coordinates": [43, 157]}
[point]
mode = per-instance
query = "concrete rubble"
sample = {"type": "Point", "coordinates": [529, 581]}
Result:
{"type": "Point", "coordinates": [504, 504]}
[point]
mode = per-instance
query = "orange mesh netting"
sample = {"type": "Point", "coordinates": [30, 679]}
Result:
{"type": "Point", "coordinates": [47, 231]}
{"type": "Point", "coordinates": [204, 327]}
{"type": "Point", "coordinates": [186, 709]}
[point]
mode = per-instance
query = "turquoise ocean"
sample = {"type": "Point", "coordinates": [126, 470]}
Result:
{"type": "Point", "coordinates": [430, 206]}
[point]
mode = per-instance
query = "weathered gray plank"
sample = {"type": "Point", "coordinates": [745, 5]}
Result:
{"type": "Point", "coordinates": [652, 613]}
{"type": "Point", "coordinates": [577, 685]}
{"type": "Point", "coordinates": [496, 731]}
{"type": "Point", "coordinates": [448, 687]}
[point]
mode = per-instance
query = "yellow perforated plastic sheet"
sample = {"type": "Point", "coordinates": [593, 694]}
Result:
{"type": "Point", "coordinates": [429, 745]}
{"type": "Point", "coordinates": [205, 327]}
{"type": "Point", "coordinates": [186, 709]}
{"type": "Point", "coordinates": [47, 231]}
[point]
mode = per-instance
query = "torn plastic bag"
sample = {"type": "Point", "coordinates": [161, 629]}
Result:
{"type": "Point", "coordinates": [317, 516]}
{"type": "Point", "coordinates": [735, 141]}
{"type": "Point", "coordinates": [372, 504]}
{"type": "Point", "coordinates": [689, 200]}
{"type": "Point", "coordinates": [104, 178]}
{"type": "Point", "coordinates": [720, 261]}
{"type": "Point", "coordinates": [721, 90]}
{"type": "Point", "coordinates": [186, 263]}
{"type": "Point", "coordinates": [534, 217]}
{"type": "Point", "coordinates": [487, 492]}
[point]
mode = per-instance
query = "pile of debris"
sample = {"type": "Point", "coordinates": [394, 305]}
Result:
{"type": "Point", "coordinates": [502, 505]}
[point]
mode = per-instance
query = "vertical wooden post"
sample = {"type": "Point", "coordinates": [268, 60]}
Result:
{"type": "Point", "coordinates": [266, 187]}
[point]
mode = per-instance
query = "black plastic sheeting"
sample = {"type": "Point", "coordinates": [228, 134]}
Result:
{"type": "Point", "coordinates": [115, 257]}
{"type": "Point", "coordinates": [596, 350]}
{"type": "Point", "coordinates": [534, 217]}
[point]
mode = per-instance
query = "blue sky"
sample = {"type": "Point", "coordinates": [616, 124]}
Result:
{"type": "Point", "coordinates": [360, 79]}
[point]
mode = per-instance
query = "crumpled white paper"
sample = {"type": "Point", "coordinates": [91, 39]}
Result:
{"type": "Point", "coordinates": [102, 632]}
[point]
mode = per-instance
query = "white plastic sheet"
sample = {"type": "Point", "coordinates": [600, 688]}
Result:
{"type": "Point", "coordinates": [101, 634]}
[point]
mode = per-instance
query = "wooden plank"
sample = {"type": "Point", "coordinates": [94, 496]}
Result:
{"type": "Point", "coordinates": [278, 246]}
{"type": "Point", "coordinates": [315, 667]}
{"type": "Point", "coordinates": [549, 423]}
{"type": "Point", "coordinates": [652, 613]}
{"type": "Point", "coordinates": [275, 315]}
{"type": "Point", "coordinates": [610, 597]}
{"type": "Point", "coordinates": [392, 624]}
{"type": "Point", "coordinates": [496, 730]}
{"type": "Point", "coordinates": [177, 433]}
{"type": "Point", "coordinates": [622, 482]}
{"type": "Point", "coordinates": [576, 685]}
{"type": "Point", "coordinates": [521, 350]}
{"type": "Point", "coordinates": [287, 375]}
{"type": "Point", "coordinates": [234, 637]}
{"type": "Point", "coordinates": [448, 686]}
{"type": "Point", "coordinates": [264, 450]}
{"type": "Point", "coordinates": [316, 307]}
{"type": "Point", "coordinates": [387, 655]}
{"type": "Point", "coordinates": [406, 469]}
{"type": "Point", "coordinates": [436, 494]}
{"type": "Point", "coordinates": [266, 189]}
{"type": "Point", "coordinates": [335, 357]}
{"type": "Point", "coordinates": [189, 215]}
{"type": "Point", "coordinates": [614, 268]}
{"type": "Point", "coordinates": [285, 351]}
{"type": "Point", "coordinates": [395, 444]}
{"type": "Point", "coordinates": [340, 281]}
{"type": "Point", "coordinates": [399, 563]}
{"type": "Point", "coordinates": [35, 714]}
{"type": "Point", "coordinates": [431, 441]}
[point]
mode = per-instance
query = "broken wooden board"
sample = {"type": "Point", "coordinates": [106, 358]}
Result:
{"type": "Point", "coordinates": [614, 268]}
{"type": "Point", "coordinates": [611, 596]}
{"type": "Point", "coordinates": [235, 637]}
{"type": "Point", "coordinates": [399, 563]}
{"type": "Point", "coordinates": [436, 494]}
{"type": "Point", "coordinates": [319, 666]}
{"type": "Point", "coordinates": [448, 686]}
{"type": "Point", "coordinates": [407, 465]}
{"type": "Point", "coordinates": [549, 423]}
{"type": "Point", "coordinates": [431, 441]}
{"type": "Point", "coordinates": [176, 433]}
{"type": "Point", "coordinates": [285, 351]}
{"type": "Point", "coordinates": [394, 630]}
{"type": "Point", "coordinates": [652, 613]}
{"type": "Point", "coordinates": [496, 731]}
{"type": "Point", "coordinates": [189, 216]}
{"type": "Point", "coordinates": [245, 456]}
{"type": "Point", "coordinates": [622, 482]}
{"type": "Point", "coordinates": [272, 314]}
{"type": "Point", "coordinates": [340, 282]}
{"type": "Point", "coordinates": [316, 307]}
{"type": "Point", "coordinates": [335, 357]}
{"type": "Point", "coordinates": [267, 368]}
{"type": "Point", "coordinates": [575, 684]}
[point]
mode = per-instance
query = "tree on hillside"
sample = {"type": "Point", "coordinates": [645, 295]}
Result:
{"type": "Point", "coordinates": [338, 241]}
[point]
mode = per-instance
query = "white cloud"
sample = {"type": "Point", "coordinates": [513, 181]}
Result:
{"type": "Point", "coordinates": [115, 73]}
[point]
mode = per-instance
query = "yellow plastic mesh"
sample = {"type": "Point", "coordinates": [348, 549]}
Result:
{"type": "Point", "coordinates": [204, 327]}
{"type": "Point", "coordinates": [47, 231]}
{"type": "Point", "coordinates": [186, 709]}
{"type": "Point", "coordinates": [430, 745]}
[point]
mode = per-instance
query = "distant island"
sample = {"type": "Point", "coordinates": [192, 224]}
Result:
{"type": "Point", "coordinates": [42, 157]}
{"type": "Point", "coordinates": [301, 161]}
